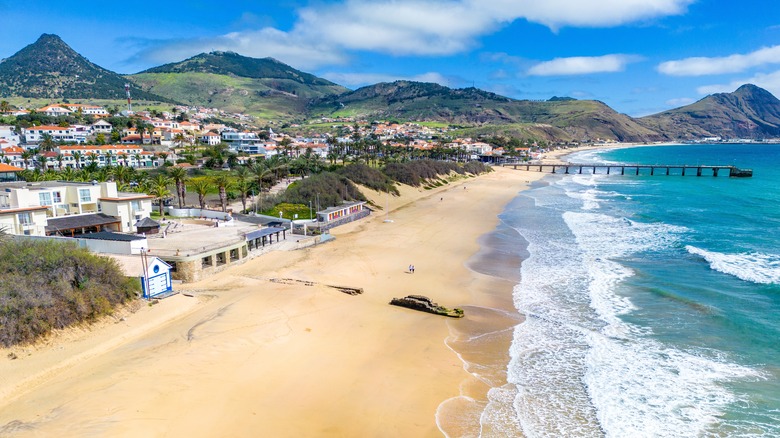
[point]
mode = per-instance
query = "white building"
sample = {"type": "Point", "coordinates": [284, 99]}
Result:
{"type": "Point", "coordinates": [87, 110]}
{"type": "Point", "coordinates": [69, 208]}
{"type": "Point", "coordinates": [69, 134]}
{"type": "Point", "coordinates": [209, 138]}
{"type": "Point", "coordinates": [54, 110]}
{"type": "Point", "coordinates": [102, 126]}
{"type": "Point", "coordinates": [241, 141]}
{"type": "Point", "coordinates": [8, 134]}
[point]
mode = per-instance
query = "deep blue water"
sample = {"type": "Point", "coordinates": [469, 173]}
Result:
{"type": "Point", "coordinates": [652, 302]}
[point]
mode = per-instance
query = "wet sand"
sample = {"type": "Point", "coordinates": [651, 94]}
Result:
{"type": "Point", "coordinates": [247, 356]}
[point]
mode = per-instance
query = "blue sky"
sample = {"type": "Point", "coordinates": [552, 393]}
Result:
{"type": "Point", "coordinates": [638, 56]}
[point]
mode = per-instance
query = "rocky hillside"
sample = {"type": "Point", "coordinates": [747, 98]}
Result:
{"type": "Point", "coordinates": [404, 100]}
{"type": "Point", "coordinates": [748, 112]}
{"type": "Point", "coordinates": [49, 68]}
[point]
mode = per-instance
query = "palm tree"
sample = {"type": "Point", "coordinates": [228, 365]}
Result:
{"type": "Point", "coordinates": [243, 184]}
{"type": "Point", "coordinates": [223, 183]}
{"type": "Point", "coordinates": [60, 158]}
{"type": "Point", "coordinates": [109, 159]}
{"type": "Point", "coordinates": [137, 159]}
{"type": "Point", "coordinates": [47, 144]}
{"type": "Point", "coordinates": [284, 144]}
{"type": "Point", "coordinates": [179, 139]}
{"type": "Point", "coordinates": [5, 106]}
{"type": "Point", "coordinates": [201, 186]}
{"type": "Point", "coordinates": [261, 172]}
{"type": "Point", "coordinates": [141, 128]}
{"type": "Point", "coordinates": [40, 160]}
{"type": "Point", "coordinates": [164, 156]}
{"type": "Point", "coordinates": [179, 176]}
{"type": "Point", "coordinates": [68, 174]}
{"type": "Point", "coordinates": [77, 158]}
{"type": "Point", "coordinates": [158, 188]}
{"type": "Point", "coordinates": [26, 155]}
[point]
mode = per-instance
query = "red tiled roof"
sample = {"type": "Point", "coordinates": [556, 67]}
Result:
{"type": "Point", "coordinates": [8, 168]}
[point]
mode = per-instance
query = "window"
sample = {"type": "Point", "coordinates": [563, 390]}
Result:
{"type": "Point", "coordinates": [44, 198]}
{"type": "Point", "coordinates": [85, 195]}
{"type": "Point", "coordinates": [25, 218]}
{"type": "Point", "coordinates": [57, 197]}
{"type": "Point", "coordinates": [135, 205]}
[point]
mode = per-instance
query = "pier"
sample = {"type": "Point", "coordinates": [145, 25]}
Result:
{"type": "Point", "coordinates": [635, 169]}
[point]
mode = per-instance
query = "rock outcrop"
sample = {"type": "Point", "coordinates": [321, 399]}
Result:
{"type": "Point", "coordinates": [424, 304]}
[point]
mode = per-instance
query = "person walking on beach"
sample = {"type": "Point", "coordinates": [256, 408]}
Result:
{"type": "Point", "coordinates": [411, 269]}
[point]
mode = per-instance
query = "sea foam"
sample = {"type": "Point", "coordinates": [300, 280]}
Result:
{"type": "Point", "coordinates": [754, 267]}
{"type": "Point", "coordinates": [579, 368]}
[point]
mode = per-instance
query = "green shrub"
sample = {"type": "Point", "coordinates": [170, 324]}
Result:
{"type": "Point", "coordinates": [331, 189]}
{"type": "Point", "coordinates": [369, 177]}
{"type": "Point", "coordinates": [49, 285]}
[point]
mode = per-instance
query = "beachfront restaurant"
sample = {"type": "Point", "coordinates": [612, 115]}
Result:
{"type": "Point", "coordinates": [332, 214]}
{"type": "Point", "coordinates": [259, 238]}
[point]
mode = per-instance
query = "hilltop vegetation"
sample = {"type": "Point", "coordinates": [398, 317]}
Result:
{"type": "Point", "coordinates": [50, 69]}
{"type": "Point", "coordinates": [265, 88]}
{"type": "Point", "coordinates": [50, 285]}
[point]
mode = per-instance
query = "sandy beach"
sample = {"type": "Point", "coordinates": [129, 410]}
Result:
{"type": "Point", "coordinates": [257, 351]}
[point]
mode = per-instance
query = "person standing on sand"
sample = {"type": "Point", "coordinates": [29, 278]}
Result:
{"type": "Point", "coordinates": [411, 269]}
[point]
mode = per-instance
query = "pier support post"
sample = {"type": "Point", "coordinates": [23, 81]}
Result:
{"type": "Point", "coordinates": [698, 171]}
{"type": "Point", "coordinates": [683, 169]}
{"type": "Point", "coordinates": [652, 171]}
{"type": "Point", "coordinates": [622, 170]}
{"type": "Point", "coordinates": [594, 170]}
{"type": "Point", "coordinates": [714, 171]}
{"type": "Point", "coordinates": [637, 170]}
{"type": "Point", "coordinates": [667, 171]}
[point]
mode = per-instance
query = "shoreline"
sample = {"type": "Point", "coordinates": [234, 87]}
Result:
{"type": "Point", "coordinates": [257, 357]}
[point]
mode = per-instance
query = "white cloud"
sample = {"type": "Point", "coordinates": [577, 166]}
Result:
{"type": "Point", "coordinates": [767, 81]}
{"type": "Point", "coordinates": [361, 79]}
{"type": "Point", "coordinates": [700, 66]}
{"type": "Point", "coordinates": [266, 42]}
{"type": "Point", "coordinates": [324, 33]}
{"type": "Point", "coordinates": [585, 13]}
{"type": "Point", "coordinates": [581, 65]}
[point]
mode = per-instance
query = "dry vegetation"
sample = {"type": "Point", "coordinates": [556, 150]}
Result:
{"type": "Point", "coordinates": [50, 285]}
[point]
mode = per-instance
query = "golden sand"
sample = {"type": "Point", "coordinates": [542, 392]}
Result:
{"type": "Point", "coordinates": [245, 356]}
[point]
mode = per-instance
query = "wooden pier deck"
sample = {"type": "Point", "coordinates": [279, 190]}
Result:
{"type": "Point", "coordinates": [634, 169]}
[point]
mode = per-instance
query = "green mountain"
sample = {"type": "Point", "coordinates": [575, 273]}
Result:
{"type": "Point", "coordinates": [264, 87]}
{"type": "Point", "coordinates": [748, 112]}
{"type": "Point", "coordinates": [566, 118]}
{"type": "Point", "coordinates": [49, 68]}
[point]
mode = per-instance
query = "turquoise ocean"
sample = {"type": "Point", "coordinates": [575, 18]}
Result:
{"type": "Point", "coordinates": [652, 303]}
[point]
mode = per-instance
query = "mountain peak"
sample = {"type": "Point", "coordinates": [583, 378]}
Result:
{"type": "Point", "coordinates": [49, 68]}
{"type": "Point", "coordinates": [748, 112]}
{"type": "Point", "coordinates": [234, 64]}
{"type": "Point", "coordinates": [47, 37]}
{"type": "Point", "coordinates": [752, 91]}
